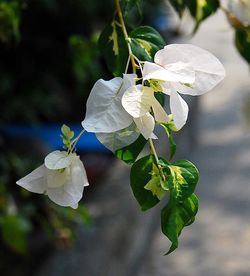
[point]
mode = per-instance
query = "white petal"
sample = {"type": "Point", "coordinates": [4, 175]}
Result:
{"type": "Point", "coordinates": [57, 160]}
{"type": "Point", "coordinates": [137, 101]}
{"type": "Point", "coordinates": [153, 136]}
{"type": "Point", "coordinates": [179, 109]}
{"type": "Point", "coordinates": [71, 192]}
{"type": "Point", "coordinates": [239, 8]}
{"type": "Point", "coordinates": [34, 182]}
{"type": "Point", "coordinates": [208, 69]}
{"type": "Point", "coordinates": [177, 72]}
{"type": "Point", "coordinates": [160, 114]}
{"type": "Point", "coordinates": [57, 178]}
{"type": "Point", "coordinates": [117, 140]}
{"type": "Point", "coordinates": [145, 125]}
{"type": "Point", "coordinates": [104, 109]}
{"type": "Point", "coordinates": [128, 80]}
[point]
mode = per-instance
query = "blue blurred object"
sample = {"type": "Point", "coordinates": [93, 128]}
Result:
{"type": "Point", "coordinates": [49, 134]}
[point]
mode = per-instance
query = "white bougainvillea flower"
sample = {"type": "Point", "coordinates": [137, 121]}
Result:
{"type": "Point", "coordinates": [62, 178]}
{"type": "Point", "coordinates": [138, 101]}
{"type": "Point", "coordinates": [186, 69]}
{"type": "Point", "coordinates": [239, 9]}
{"type": "Point", "coordinates": [119, 139]}
{"type": "Point", "coordinates": [105, 113]}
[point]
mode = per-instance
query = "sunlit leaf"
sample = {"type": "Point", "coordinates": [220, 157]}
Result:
{"type": "Point", "coordinates": [145, 42]}
{"type": "Point", "coordinates": [130, 153]}
{"type": "Point", "coordinates": [201, 9]}
{"type": "Point", "coordinates": [175, 216]}
{"type": "Point", "coordinates": [182, 179]}
{"type": "Point", "coordinates": [172, 144]}
{"type": "Point", "coordinates": [141, 174]}
{"type": "Point", "coordinates": [114, 48]}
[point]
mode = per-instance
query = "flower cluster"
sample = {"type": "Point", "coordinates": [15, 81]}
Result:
{"type": "Point", "coordinates": [121, 108]}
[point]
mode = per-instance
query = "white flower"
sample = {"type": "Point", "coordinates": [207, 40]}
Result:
{"type": "Point", "coordinates": [186, 69]}
{"type": "Point", "coordinates": [138, 101]}
{"type": "Point", "coordinates": [62, 178]}
{"type": "Point", "coordinates": [119, 139]}
{"type": "Point", "coordinates": [105, 113]}
{"type": "Point", "coordinates": [238, 8]}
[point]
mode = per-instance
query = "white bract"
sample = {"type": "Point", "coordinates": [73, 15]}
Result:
{"type": "Point", "coordinates": [186, 69]}
{"type": "Point", "coordinates": [105, 113]}
{"type": "Point", "coordinates": [238, 8]}
{"type": "Point", "coordinates": [119, 139]}
{"type": "Point", "coordinates": [62, 178]}
{"type": "Point", "coordinates": [138, 101]}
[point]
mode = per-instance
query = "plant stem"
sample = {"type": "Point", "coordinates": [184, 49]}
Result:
{"type": "Point", "coordinates": [73, 142]}
{"type": "Point", "coordinates": [125, 33]}
{"type": "Point", "coordinates": [152, 147]}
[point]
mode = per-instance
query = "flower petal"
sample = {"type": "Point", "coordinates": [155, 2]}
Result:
{"type": "Point", "coordinates": [177, 72]}
{"type": "Point", "coordinates": [34, 182]}
{"type": "Point", "coordinates": [238, 8]}
{"type": "Point", "coordinates": [105, 112]}
{"type": "Point", "coordinates": [145, 125]}
{"type": "Point", "coordinates": [160, 114]}
{"type": "Point", "coordinates": [117, 140]}
{"type": "Point", "coordinates": [57, 160]}
{"type": "Point", "coordinates": [128, 80]}
{"type": "Point", "coordinates": [137, 100]}
{"type": "Point", "coordinates": [208, 69]}
{"type": "Point", "coordinates": [179, 109]}
{"type": "Point", "coordinates": [71, 192]}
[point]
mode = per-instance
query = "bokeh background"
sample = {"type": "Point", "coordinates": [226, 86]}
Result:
{"type": "Point", "coordinates": [49, 60]}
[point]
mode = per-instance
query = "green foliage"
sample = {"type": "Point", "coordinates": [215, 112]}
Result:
{"type": "Point", "coordinates": [131, 9]}
{"type": "Point", "coordinates": [179, 6]}
{"type": "Point", "coordinates": [130, 153]}
{"type": "Point", "coordinates": [175, 216]}
{"type": "Point", "coordinates": [151, 181]}
{"type": "Point", "coordinates": [242, 42]}
{"type": "Point", "coordinates": [145, 42]}
{"type": "Point", "coordinates": [66, 136]}
{"type": "Point", "coordinates": [140, 175]}
{"type": "Point", "coordinates": [168, 127]}
{"type": "Point", "coordinates": [182, 180]}
{"type": "Point", "coordinates": [9, 21]}
{"type": "Point", "coordinates": [199, 10]}
{"type": "Point", "coordinates": [14, 230]}
{"type": "Point", "coordinates": [114, 48]}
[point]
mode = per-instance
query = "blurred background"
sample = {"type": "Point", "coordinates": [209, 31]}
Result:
{"type": "Point", "coordinates": [49, 61]}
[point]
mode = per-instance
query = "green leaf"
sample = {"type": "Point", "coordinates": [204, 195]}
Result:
{"type": "Point", "coordinates": [145, 42]}
{"type": "Point", "coordinates": [179, 6]}
{"type": "Point", "coordinates": [9, 21]}
{"type": "Point", "coordinates": [114, 48]}
{"type": "Point", "coordinates": [242, 42]}
{"type": "Point", "coordinates": [141, 174]}
{"type": "Point", "coordinates": [201, 9]}
{"type": "Point", "coordinates": [130, 153]}
{"type": "Point", "coordinates": [182, 180]}
{"type": "Point", "coordinates": [155, 184]}
{"type": "Point", "coordinates": [130, 6]}
{"type": "Point", "coordinates": [172, 144]}
{"type": "Point", "coordinates": [67, 133]}
{"type": "Point", "coordinates": [174, 217]}
{"type": "Point", "coordinates": [14, 232]}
